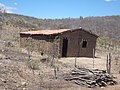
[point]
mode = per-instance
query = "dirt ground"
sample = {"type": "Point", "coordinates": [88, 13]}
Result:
{"type": "Point", "coordinates": [16, 73]}
{"type": "Point", "coordinates": [99, 63]}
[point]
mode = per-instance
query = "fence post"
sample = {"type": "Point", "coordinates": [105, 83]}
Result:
{"type": "Point", "coordinates": [55, 72]}
{"type": "Point", "coordinates": [119, 69]}
{"type": "Point", "coordinates": [93, 57]}
{"type": "Point", "coordinates": [75, 61]}
{"type": "Point", "coordinates": [108, 63]}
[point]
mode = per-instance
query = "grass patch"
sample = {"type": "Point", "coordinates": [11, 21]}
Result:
{"type": "Point", "coordinates": [33, 64]}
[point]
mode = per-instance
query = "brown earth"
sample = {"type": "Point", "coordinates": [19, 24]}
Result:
{"type": "Point", "coordinates": [16, 73]}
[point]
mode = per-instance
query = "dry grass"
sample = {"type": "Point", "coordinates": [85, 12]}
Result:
{"type": "Point", "coordinates": [14, 70]}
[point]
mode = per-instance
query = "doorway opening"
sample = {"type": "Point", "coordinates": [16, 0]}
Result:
{"type": "Point", "coordinates": [64, 47]}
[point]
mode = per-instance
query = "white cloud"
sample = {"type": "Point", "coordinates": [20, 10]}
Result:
{"type": "Point", "coordinates": [15, 3]}
{"type": "Point", "coordinates": [7, 8]}
{"type": "Point", "coordinates": [107, 0]}
{"type": "Point", "coordinates": [111, 0]}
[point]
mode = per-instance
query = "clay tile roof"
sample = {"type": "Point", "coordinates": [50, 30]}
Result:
{"type": "Point", "coordinates": [46, 32]}
{"type": "Point", "coordinates": [51, 32]}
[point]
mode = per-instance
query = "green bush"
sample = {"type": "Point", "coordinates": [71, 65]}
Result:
{"type": "Point", "coordinates": [33, 64]}
{"type": "Point", "coordinates": [103, 41]}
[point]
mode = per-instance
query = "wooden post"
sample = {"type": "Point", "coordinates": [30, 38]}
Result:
{"type": "Point", "coordinates": [75, 61]}
{"type": "Point", "coordinates": [53, 56]}
{"type": "Point", "coordinates": [117, 49]}
{"type": "Point", "coordinates": [119, 69]}
{"type": "Point", "coordinates": [29, 56]}
{"type": "Point", "coordinates": [93, 57]}
{"type": "Point", "coordinates": [107, 64]}
{"type": "Point", "coordinates": [19, 42]}
{"type": "Point", "coordinates": [55, 72]}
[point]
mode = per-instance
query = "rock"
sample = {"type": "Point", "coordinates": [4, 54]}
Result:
{"type": "Point", "coordinates": [24, 88]}
{"type": "Point", "coordinates": [23, 83]}
{"type": "Point", "coordinates": [3, 80]}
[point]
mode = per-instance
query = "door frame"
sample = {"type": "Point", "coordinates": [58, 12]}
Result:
{"type": "Point", "coordinates": [64, 47]}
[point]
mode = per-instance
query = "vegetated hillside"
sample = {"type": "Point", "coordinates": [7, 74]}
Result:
{"type": "Point", "coordinates": [12, 24]}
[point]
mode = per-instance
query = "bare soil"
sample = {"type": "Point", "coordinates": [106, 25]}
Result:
{"type": "Point", "coordinates": [15, 73]}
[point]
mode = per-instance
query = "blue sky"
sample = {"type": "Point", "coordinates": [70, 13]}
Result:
{"type": "Point", "coordinates": [62, 8]}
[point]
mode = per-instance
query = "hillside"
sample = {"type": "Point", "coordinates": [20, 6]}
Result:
{"type": "Point", "coordinates": [12, 24]}
{"type": "Point", "coordinates": [24, 70]}
{"type": "Point", "coordinates": [17, 72]}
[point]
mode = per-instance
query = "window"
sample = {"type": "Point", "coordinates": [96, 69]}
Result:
{"type": "Point", "coordinates": [84, 44]}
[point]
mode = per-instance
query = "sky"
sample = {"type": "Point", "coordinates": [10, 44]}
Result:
{"type": "Point", "coordinates": [52, 9]}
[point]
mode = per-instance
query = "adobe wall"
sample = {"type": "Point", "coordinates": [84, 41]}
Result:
{"type": "Point", "coordinates": [41, 44]}
{"type": "Point", "coordinates": [75, 39]}
{"type": "Point", "coordinates": [44, 43]}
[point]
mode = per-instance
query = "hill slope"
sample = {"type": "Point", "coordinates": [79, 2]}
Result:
{"type": "Point", "coordinates": [12, 24]}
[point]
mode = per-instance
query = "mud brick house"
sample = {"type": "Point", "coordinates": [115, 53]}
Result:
{"type": "Point", "coordinates": [72, 42]}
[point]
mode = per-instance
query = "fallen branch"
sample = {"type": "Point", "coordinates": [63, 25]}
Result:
{"type": "Point", "coordinates": [90, 77]}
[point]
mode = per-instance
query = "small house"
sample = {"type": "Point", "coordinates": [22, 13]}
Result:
{"type": "Point", "coordinates": [71, 42]}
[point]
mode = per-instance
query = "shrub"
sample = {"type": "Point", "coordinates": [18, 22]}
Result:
{"type": "Point", "coordinates": [34, 65]}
